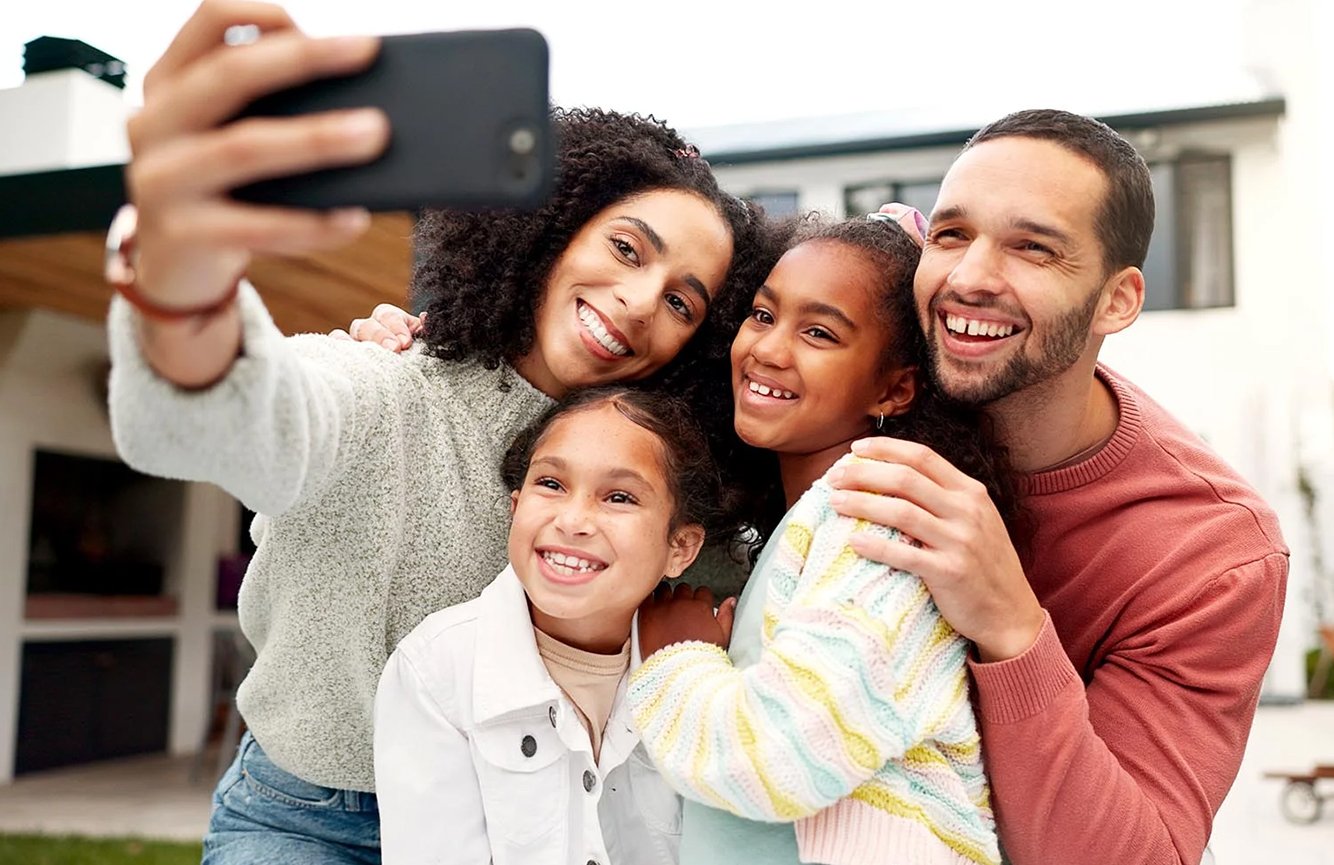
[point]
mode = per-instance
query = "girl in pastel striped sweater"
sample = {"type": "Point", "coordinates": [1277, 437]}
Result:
{"type": "Point", "coordinates": [837, 729]}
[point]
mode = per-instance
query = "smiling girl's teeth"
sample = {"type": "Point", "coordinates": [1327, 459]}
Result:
{"type": "Point", "coordinates": [977, 327]}
{"type": "Point", "coordinates": [765, 390]}
{"type": "Point", "coordinates": [594, 325]}
{"type": "Point", "coordinates": [571, 564]}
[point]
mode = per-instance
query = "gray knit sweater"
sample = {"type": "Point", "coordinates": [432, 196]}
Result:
{"type": "Point", "coordinates": [378, 479]}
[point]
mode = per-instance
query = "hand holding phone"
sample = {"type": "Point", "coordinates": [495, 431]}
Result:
{"type": "Point", "coordinates": [188, 156]}
{"type": "Point", "coordinates": [469, 120]}
{"type": "Point", "coordinates": [194, 240]}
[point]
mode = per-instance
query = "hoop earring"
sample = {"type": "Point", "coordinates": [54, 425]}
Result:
{"type": "Point", "coordinates": [880, 423]}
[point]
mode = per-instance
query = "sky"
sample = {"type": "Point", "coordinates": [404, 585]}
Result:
{"type": "Point", "coordinates": [720, 62]}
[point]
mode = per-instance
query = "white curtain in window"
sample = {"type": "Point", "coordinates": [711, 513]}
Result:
{"type": "Point", "coordinates": [1206, 210]}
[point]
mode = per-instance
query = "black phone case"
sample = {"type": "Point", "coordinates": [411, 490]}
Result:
{"type": "Point", "coordinates": [470, 124]}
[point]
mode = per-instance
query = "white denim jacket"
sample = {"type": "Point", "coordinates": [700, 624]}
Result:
{"type": "Point", "coordinates": [479, 756]}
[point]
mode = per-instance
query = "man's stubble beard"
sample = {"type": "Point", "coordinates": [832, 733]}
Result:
{"type": "Point", "coordinates": [1064, 343]}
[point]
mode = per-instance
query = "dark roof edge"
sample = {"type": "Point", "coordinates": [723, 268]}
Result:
{"type": "Point", "coordinates": [54, 202]}
{"type": "Point", "coordinates": [1271, 107]}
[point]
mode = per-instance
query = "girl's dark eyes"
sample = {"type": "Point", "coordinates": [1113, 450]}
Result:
{"type": "Point", "coordinates": [763, 316]}
{"type": "Point", "coordinates": [618, 497]}
{"type": "Point", "coordinates": [626, 249]}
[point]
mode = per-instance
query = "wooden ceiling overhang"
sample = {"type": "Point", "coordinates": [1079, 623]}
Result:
{"type": "Point", "coordinates": [52, 230]}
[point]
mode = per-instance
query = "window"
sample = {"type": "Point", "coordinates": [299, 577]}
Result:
{"type": "Point", "coordinates": [776, 204]}
{"type": "Point", "coordinates": [1189, 265]}
{"type": "Point", "coordinates": [868, 197]}
{"type": "Point", "coordinates": [99, 527]}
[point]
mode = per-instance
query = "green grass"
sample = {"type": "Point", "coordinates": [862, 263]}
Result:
{"type": "Point", "coordinates": [61, 850]}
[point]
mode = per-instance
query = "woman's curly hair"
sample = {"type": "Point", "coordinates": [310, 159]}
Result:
{"type": "Point", "coordinates": [480, 275]}
{"type": "Point", "coordinates": [963, 435]}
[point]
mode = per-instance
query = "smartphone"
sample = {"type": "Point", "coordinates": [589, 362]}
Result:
{"type": "Point", "coordinates": [470, 126]}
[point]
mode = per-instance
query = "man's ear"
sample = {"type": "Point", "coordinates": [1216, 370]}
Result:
{"type": "Point", "coordinates": [1123, 298]}
{"type": "Point", "coordinates": [514, 502]}
{"type": "Point", "coordinates": [899, 393]}
{"type": "Point", "coordinates": [686, 542]}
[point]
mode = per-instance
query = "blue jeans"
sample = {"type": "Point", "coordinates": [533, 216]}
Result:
{"type": "Point", "coordinates": [264, 815]}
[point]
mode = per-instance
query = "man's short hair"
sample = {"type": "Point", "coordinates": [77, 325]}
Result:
{"type": "Point", "coordinates": [1124, 222]}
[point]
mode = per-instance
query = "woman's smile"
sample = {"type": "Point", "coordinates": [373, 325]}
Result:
{"type": "Point", "coordinates": [604, 339]}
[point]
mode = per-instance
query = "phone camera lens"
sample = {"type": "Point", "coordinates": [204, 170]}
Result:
{"type": "Point", "coordinates": [522, 142]}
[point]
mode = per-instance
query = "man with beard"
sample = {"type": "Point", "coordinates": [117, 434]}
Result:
{"type": "Point", "coordinates": [1122, 636]}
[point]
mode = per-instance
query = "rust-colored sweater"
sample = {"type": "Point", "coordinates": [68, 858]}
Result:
{"type": "Point", "coordinates": [1117, 735]}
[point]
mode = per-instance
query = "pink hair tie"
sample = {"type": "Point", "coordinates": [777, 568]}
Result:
{"type": "Point", "coordinates": [690, 151]}
{"type": "Point", "coordinates": [910, 219]}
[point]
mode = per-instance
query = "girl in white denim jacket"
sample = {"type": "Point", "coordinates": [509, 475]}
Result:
{"type": "Point", "coordinates": [502, 733]}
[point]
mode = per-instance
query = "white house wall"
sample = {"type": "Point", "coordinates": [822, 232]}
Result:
{"type": "Point", "coordinates": [820, 182]}
{"type": "Point", "coordinates": [69, 119]}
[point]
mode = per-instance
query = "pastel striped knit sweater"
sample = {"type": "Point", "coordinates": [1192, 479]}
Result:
{"type": "Point", "coordinates": [854, 724]}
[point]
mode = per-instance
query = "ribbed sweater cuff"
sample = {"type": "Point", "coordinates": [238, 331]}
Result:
{"type": "Point", "coordinates": [258, 336]}
{"type": "Point", "coordinates": [653, 674]}
{"type": "Point", "coordinates": [853, 833]}
{"type": "Point", "coordinates": [671, 654]}
{"type": "Point", "coordinates": [1025, 685]}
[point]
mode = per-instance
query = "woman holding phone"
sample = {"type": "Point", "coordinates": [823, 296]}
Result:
{"type": "Point", "coordinates": [376, 476]}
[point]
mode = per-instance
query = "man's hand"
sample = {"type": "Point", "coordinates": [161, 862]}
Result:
{"type": "Point", "coordinates": [964, 554]}
{"type": "Point", "coordinates": [388, 326]}
{"type": "Point", "coordinates": [676, 615]}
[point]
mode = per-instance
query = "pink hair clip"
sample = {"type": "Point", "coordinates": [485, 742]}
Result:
{"type": "Point", "coordinates": [690, 151]}
{"type": "Point", "coordinates": [910, 219]}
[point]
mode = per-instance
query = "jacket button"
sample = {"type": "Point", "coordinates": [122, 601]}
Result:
{"type": "Point", "coordinates": [528, 746]}
{"type": "Point", "coordinates": [551, 713]}
{"type": "Point", "coordinates": [590, 781]}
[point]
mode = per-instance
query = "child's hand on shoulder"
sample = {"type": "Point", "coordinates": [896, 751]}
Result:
{"type": "Point", "coordinates": [388, 326]}
{"type": "Point", "coordinates": [681, 614]}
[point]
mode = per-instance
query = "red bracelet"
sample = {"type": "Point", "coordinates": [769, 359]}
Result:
{"type": "Point", "coordinates": [120, 274]}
